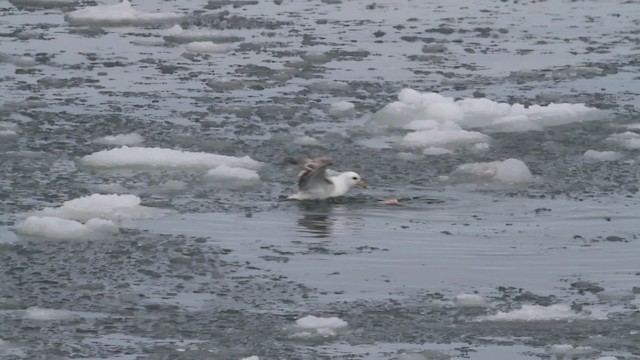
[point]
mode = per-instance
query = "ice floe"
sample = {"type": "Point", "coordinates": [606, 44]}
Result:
{"type": "Point", "coordinates": [594, 155]}
{"type": "Point", "coordinates": [627, 140]}
{"type": "Point", "coordinates": [120, 139]}
{"type": "Point", "coordinates": [45, 314]}
{"type": "Point", "coordinates": [342, 109]}
{"type": "Point", "coordinates": [178, 35]}
{"type": "Point", "coordinates": [470, 300]}
{"type": "Point", "coordinates": [119, 14]}
{"type": "Point", "coordinates": [17, 60]}
{"type": "Point", "coordinates": [251, 358]}
{"type": "Point", "coordinates": [541, 313]}
{"type": "Point", "coordinates": [510, 171]}
{"type": "Point", "coordinates": [437, 120]}
{"type": "Point", "coordinates": [57, 228]}
{"type": "Point", "coordinates": [306, 140]}
{"type": "Point", "coordinates": [150, 158]}
{"type": "Point", "coordinates": [568, 351]}
{"type": "Point", "coordinates": [105, 206]}
{"type": "Point", "coordinates": [227, 176]}
{"type": "Point", "coordinates": [42, 4]}
{"type": "Point", "coordinates": [312, 326]}
{"type": "Point", "coordinates": [206, 47]}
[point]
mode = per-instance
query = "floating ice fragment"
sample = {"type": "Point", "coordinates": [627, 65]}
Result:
{"type": "Point", "coordinates": [594, 155]}
{"type": "Point", "coordinates": [145, 158]}
{"type": "Point", "coordinates": [42, 4]}
{"type": "Point", "coordinates": [121, 139]}
{"type": "Point", "coordinates": [233, 177]}
{"type": "Point", "coordinates": [110, 206]}
{"type": "Point", "coordinates": [628, 140]}
{"type": "Point", "coordinates": [251, 358]}
{"type": "Point", "coordinates": [329, 86]}
{"type": "Point", "coordinates": [470, 300]}
{"type": "Point", "coordinates": [539, 313]}
{"type": "Point", "coordinates": [509, 171]}
{"type": "Point", "coordinates": [443, 137]}
{"type": "Point", "coordinates": [407, 156]}
{"type": "Point", "coordinates": [8, 133]}
{"type": "Point", "coordinates": [413, 105]}
{"type": "Point", "coordinates": [206, 47]}
{"type": "Point", "coordinates": [306, 140]}
{"type": "Point", "coordinates": [118, 15]}
{"type": "Point", "coordinates": [44, 314]}
{"type": "Point", "coordinates": [313, 326]}
{"type": "Point", "coordinates": [19, 61]}
{"type": "Point", "coordinates": [567, 351]}
{"type": "Point", "coordinates": [342, 109]}
{"type": "Point", "coordinates": [314, 322]}
{"type": "Point", "coordinates": [434, 151]}
{"type": "Point", "coordinates": [178, 35]}
{"type": "Point", "coordinates": [56, 228]}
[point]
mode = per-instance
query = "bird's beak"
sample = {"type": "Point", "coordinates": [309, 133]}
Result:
{"type": "Point", "coordinates": [362, 184]}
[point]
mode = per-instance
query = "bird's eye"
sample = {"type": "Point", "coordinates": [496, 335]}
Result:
{"type": "Point", "coordinates": [355, 178]}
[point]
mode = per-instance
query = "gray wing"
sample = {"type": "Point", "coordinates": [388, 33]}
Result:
{"type": "Point", "coordinates": [313, 173]}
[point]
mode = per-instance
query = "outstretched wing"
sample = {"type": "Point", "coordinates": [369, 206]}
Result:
{"type": "Point", "coordinates": [313, 172]}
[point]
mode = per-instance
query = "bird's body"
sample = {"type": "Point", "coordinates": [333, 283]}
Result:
{"type": "Point", "coordinates": [314, 183]}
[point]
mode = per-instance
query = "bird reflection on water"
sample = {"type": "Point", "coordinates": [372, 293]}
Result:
{"type": "Point", "coordinates": [322, 219]}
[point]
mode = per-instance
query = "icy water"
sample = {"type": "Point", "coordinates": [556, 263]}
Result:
{"type": "Point", "coordinates": [535, 257]}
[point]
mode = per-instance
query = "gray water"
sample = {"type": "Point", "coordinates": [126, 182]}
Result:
{"type": "Point", "coordinates": [227, 272]}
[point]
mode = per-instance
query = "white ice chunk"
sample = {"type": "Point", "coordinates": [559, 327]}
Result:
{"type": "Point", "coordinates": [407, 156]}
{"type": "Point", "coordinates": [314, 322]}
{"type": "Point", "coordinates": [121, 139]}
{"type": "Point", "coordinates": [306, 140]}
{"type": "Point", "coordinates": [45, 314]}
{"type": "Point", "coordinates": [57, 228]}
{"type": "Point", "coordinates": [8, 133]}
{"type": "Point", "coordinates": [509, 171]}
{"type": "Point", "coordinates": [594, 155]}
{"type": "Point", "coordinates": [206, 47]}
{"type": "Point", "coordinates": [110, 206]}
{"type": "Point", "coordinates": [329, 86]}
{"type": "Point", "coordinates": [567, 351]}
{"type": "Point", "coordinates": [233, 177]}
{"type": "Point", "coordinates": [251, 358]}
{"type": "Point", "coordinates": [145, 158]}
{"type": "Point", "coordinates": [470, 300]}
{"type": "Point", "coordinates": [537, 313]}
{"type": "Point", "coordinates": [413, 105]}
{"type": "Point", "coordinates": [119, 15]}
{"type": "Point", "coordinates": [313, 326]}
{"type": "Point", "coordinates": [628, 140]}
{"type": "Point", "coordinates": [342, 109]}
{"type": "Point", "coordinates": [177, 34]}
{"type": "Point", "coordinates": [435, 151]}
{"type": "Point", "coordinates": [443, 138]}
